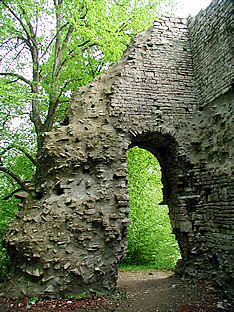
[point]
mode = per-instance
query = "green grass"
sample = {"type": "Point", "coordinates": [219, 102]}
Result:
{"type": "Point", "coordinates": [136, 268]}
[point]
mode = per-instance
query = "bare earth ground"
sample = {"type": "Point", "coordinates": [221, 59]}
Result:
{"type": "Point", "coordinates": [143, 291]}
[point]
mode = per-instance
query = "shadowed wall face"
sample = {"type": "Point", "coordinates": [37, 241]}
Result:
{"type": "Point", "coordinates": [165, 96]}
{"type": "Point", "coordinates": [212, 42]}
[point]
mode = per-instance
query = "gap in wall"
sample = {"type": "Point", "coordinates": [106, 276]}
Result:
{"type": "Point", "coordinates": [151, 242]}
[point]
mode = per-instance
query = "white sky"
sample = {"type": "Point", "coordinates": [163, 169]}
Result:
{"type": "Point", "coordinates": [191, 7]}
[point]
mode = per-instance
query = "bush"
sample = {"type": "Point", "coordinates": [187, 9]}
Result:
{"type": "Point", "coordinates": [150, 241]}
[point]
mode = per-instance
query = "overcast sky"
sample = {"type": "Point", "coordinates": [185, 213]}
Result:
{"type": "Point", "coordinates": [191, 7]}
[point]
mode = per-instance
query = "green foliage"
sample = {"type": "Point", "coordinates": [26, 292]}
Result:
{"type": "Point", "coordinates": [111, 24]}
{"type": "Point", "coordinates": [7, 212]}
{"type": "Point", "coordinates": [13, 136]}
{"type": "Point", "coordinates": [150, 238]}
{"type": "Point", "coordinates": [20, 165]}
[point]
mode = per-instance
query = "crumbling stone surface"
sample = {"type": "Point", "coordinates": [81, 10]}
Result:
{"type": "Point", "coordinates": [164, 95]}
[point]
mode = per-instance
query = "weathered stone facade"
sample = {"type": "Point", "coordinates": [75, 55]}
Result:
{"type": "Point", "coordinates": [172, 94]}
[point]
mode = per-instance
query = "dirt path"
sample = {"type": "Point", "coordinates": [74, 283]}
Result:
{"type": "Point", "coordinates": [143, 291]}
{"type": "Point", "coordinates": [152, 291]}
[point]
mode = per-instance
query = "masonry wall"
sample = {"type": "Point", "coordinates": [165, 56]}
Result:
{"type": "Point", "coordinates": [156, 85]}
{"type": "Point", "coordinates": [211, 34]}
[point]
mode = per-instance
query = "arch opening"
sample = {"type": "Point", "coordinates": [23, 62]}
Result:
{"type": "Point", "coordinates": [150, 240]}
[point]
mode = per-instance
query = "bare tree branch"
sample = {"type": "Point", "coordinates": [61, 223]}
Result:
{"type": "Point", "coordinates": [18, 77]}
{"type": "Point", "coordinates": [12, 193]}
{"type": "Point", "coordinates": [12, 81]}
{"type": "Point", "coordinates": [28, 23]}
{"type": "Point", "coordinates": [52, 40]}
{"type": "Point", "coordinates": [37, 19]}
{"type": "Point", "coordinates": [65, 85]}
{"type": "Point", "coordinates": [60, 49]}
{"type": "Point", "coordinates": [15, 177]}
{"type": "Point", "coordinates": [85, 8]}
{"type": "Point", "coordinates": [17, 18]}
{"type": "Point", "coordinates": [31, 37]}
{"type": "Point", "coordinates": [72, 56]}
{"type": "Point", "coordinates": [4, 123]}
{"type": "Point", "coordinates": [21, 150]}
{"type": "Point", "coordinates": [17, 55]}
{"type": "Point", "coordinates": [35, 116]}
{"type": "Point", "coordinates": [7, 53]}
{"type": "Point", "coordinates": [7, 41]}
{"type": "Point", "coordinates": [58, 38]}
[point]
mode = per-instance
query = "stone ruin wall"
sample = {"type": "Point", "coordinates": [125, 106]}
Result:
{"type": "Point", "coordinates": [70, 234]}
{"type": "Point", "coordinates": [211, 35]}
{"type": "Point", "coordinates": [212, 43]}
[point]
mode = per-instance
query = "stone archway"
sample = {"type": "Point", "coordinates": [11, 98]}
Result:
{"type": "Point", "coordinates": [165, 148]}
